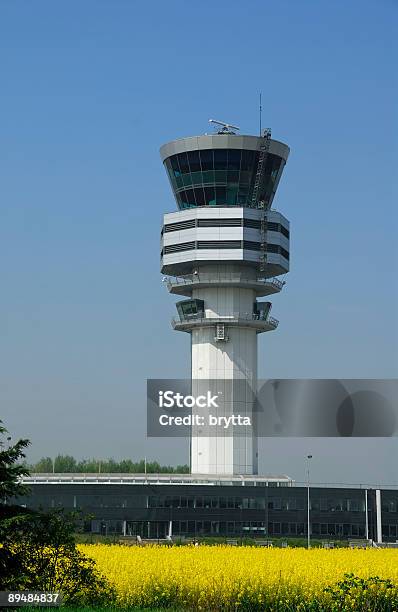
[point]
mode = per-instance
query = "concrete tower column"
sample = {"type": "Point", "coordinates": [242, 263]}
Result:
{"type": "Point", "coordinates": [234, 359]}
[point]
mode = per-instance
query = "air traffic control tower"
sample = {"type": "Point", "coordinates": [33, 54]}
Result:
{"type": "Point", "coordinates": [223, 249]}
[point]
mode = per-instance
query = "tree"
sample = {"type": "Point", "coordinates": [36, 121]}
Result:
{"type": "Point", "coordinates": [44, 466]}
{"type": "Point", "coordinates": [37, 549]}
{"type": "Point", "coordinates": [68, 464]}
{"type": "Point", "coordinates": [65, 463]}
{"type": "Point", "coordinates": [11, 468]}
{"type": "Point", "coordinates": [38, 553]}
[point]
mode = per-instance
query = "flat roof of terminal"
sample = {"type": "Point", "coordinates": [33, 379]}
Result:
{"type": "Point", "coordinates": [184, 479]}
{"type": "Point", "coordinates": [192, 479]}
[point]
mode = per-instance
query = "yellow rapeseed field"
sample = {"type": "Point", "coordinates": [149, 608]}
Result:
{"type": "Point", "coordinates": [224, 577]}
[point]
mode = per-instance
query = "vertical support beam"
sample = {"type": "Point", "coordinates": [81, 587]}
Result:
{"type": "Point", "coordinates": [308, 516]}
{"type": "Point", "coordinates": [366, 516]}
{"type": "Point", "coordinates": [170, 529]}
{"type": "Point", "coordinates": [378, 517]}
{"type": "Point", "coordinates": [124, 528]}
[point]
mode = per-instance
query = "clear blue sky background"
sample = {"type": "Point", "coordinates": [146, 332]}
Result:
{"type": "Point", "coordinates": [89, 91]}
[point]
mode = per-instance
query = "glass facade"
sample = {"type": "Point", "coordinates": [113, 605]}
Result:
{"type": "Point", "coordinates": [220, 177]}
{"type": "Point", "coordinates": [290, 504]}
{"type": "Point", "coordinates": [148, 509]}
{"type": "Point", "coordinates": [194, 528]}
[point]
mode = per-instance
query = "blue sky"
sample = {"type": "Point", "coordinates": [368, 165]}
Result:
{"type": "Point", "coordinates": [89, 92]}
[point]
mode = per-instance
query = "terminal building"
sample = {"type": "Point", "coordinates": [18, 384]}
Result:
{"type": "Point", "coordinates": [155, 506]}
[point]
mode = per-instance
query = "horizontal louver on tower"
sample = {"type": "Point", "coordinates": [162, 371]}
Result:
{"type": "Point", "coordinates": [175, 248]}
{"type": "Point", "coordinates": [252, 246]}
{"type": "Point", "coordinates": [181, 225]}
{"type": "Point", "coordinates": [219, 244]}
{"type": "Point", "coordinates": [237, 222]}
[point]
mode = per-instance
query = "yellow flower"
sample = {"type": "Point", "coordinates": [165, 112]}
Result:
{"type": "Point", "coordinates": [212, 577]}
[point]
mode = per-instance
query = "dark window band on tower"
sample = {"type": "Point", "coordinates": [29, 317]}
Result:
{"type": "Point", "coordinates": [271, 226]}
{"type": "Point", "coordinates": [283, 230]}
{"type": "Point", "coordinates": [284, 253]}
{"type": "Point", "coordinates": [224, 244]}
{"type": "Point", "coordinates": [175, 248]}
{"type": "Point", "coordinates": [252, 223]}
{"type": "Point", "coordinates": [251, 246]}
{"type": "Point", "coordinates": [219, 244]}
{"type": "Point", "coordinates": [220, 222]}
{"type": "Point", "coordinates": [181, 225]}
{"type": "Point", "coordinates": [271, 248]}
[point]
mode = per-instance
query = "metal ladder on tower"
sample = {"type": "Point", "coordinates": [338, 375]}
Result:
{"type": "Point", "coordinates": [263, 238]}
{"type": "Point", "coordinates": [262, 204]}
{"type": "Point", "coordinates": [260, 166]}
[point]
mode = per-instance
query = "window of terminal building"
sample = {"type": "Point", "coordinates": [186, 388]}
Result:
{"type": "Point", "coordinates": [314, 504]}
{"type": "Point", "coordinates": [199, 502]}
{"type": "Point", "coordinates": [207, 502]}
{"type": "Point", "coordinates": [356, 505]}
{"type": "Point", "coordinates": [275, 503]}
{"type": "Point", "coordinates": [335, 505]}
{"type": "Point", "coordinates": [389, 505]}
{"type": "Point", "coordinates": [289, 504]}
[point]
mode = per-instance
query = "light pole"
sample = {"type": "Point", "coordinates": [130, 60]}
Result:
{"type": "Point", "coordinates": [308, 502]}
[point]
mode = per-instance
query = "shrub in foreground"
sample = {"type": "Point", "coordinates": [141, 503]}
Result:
{"type": "Point", "coordinates": [38, 553]}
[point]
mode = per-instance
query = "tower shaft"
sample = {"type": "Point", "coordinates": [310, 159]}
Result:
{"type": "Point", "coordinates": [229, 362]}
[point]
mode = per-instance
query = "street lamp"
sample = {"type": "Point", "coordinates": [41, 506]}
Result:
{"type": "Point", "coordinates": [308, 502]}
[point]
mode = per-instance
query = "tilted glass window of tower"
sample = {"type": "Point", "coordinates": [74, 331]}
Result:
{"type": "Point", "coordinates": [220, 177]}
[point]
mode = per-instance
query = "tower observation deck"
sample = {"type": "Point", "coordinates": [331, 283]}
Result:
{"type": "Point", "coordinates": [222, 250]}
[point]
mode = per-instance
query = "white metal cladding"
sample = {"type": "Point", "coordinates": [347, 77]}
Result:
{"type": "Point", "coordinates": [223, 212]}
{"type": "Point", "coordinates": [223, 233]}
{"type": "Point", "coordinates": [222, 141]}
{"type": "Point", "coordinates": [178, 261]}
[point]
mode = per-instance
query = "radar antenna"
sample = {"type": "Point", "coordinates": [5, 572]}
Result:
{"type": "Point", "coordinates": [226, 128]}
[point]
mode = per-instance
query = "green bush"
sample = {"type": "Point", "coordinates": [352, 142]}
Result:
{"type": "Point", "coordinates": [38, 553]}
{"type": "Point", "coordinates": [359, 594]}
